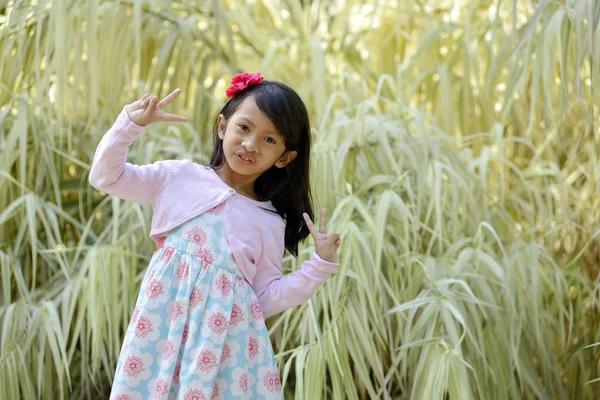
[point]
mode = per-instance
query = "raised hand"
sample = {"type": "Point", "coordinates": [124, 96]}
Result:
{"type": "Point", "coordinates": [326, 245]}
{"type": "Point", "coordinates": [148, 109]}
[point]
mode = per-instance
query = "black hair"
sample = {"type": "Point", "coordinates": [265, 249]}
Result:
{"type": "Point", "coordinates": [287, 188]}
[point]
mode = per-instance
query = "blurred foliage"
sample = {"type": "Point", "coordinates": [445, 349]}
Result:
{"type": "Point", "coordinates": [456, 143]}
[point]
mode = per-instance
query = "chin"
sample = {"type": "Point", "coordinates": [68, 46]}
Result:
{"type": "Point", "coordinates": [240, 169]}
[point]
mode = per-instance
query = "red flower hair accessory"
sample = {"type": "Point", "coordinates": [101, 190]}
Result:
{"type": "Point", "coordinates": [242, 81]}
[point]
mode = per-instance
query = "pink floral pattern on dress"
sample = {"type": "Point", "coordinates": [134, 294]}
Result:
{"type": "Point", "coordinates": [244, 382]}
{"type": "Point", "coordinates": [217, 210]}
{"type": "Point", "coordinates": [194, 394]}
{"type": "Point", "coordinates": [197, 326]}
{"type": "Point", "coordinates": [167, 254]}
{"type": "Point", "coordinates": [197, 235]}
{"type": "Point", "coordinates": [195, 297]}
{"type": "Point", "coordinates": [177, 311]}
{"type": "Point", "coordinates": [136, 314]}
{"type": "Point", "coordinates": [206, 360]}
{"type": "Point", "coordinates": [237, 315]}
{"type": "Point", "coordinates": [176, 373]}
{"type": "Point", "coordinates": [155, 289]}
{"type": "Point", "coordinates": [217, 322]}
{"type": "Point", "coordinates": [224, 284]}
{"type": "Point", "coordinates": [133, 366]}
{"type": "Point", "coordinates": [272, 382]}
{"type": "Point", "coordinates": [256, 311]}
{"type": "Point", "coordinates": [183, 270]}
{"type": "Point", "coordinates": [186, 330]}
{"type": "Point", "coordinates": [216, 391]}
{"type": "Point", "coordinates": [253, 349]}
{"type": "Point", "coordinates": [143, 327]}
{"type": "Point", "coordinates": [162, 388]}
{"type": "Point", "coordinates": [226, 353]}
{"type": "Point", "coordinates": [205, 256]}
{"type": "Point", "coordinates": [169, 349]}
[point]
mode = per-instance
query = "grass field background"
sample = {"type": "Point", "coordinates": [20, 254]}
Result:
{"type": "Point", "coordinates": [456, 147]}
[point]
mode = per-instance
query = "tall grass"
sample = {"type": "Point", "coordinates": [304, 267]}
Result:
{"type": "Point", "coordinates": [456, 145]}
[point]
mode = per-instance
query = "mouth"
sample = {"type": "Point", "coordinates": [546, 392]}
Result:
{"type": "Point", "coordinates": [244, 158]}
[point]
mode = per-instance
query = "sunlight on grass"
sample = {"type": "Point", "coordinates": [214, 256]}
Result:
{"type": "Point", "coordinates": [455, 147]}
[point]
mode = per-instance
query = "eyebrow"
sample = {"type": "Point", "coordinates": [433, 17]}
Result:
{"type": "Point", "coordinates": [269, 131]}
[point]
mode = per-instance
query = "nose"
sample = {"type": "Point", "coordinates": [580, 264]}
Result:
{"type": "Point", "coordinates": [249, 143]}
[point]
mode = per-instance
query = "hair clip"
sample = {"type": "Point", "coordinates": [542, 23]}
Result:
{"type": "Point", "coordinates": [242, 81]}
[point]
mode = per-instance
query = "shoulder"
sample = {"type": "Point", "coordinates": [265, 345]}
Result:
{"type": "Point", "coordinates": [191, 169]}
{"type": "Point", "coordinates": [166, 169]}
{"type": "Point", "coordinates": [266, 219]}
{"type": "Point", "coordinates": [270, 218]}
{"type": "Point", "coordinates": [169, 165]}
{"type": "Point", "coordinates": [205, 171]}
{"type": "Point", "coordinates": [183, 173]}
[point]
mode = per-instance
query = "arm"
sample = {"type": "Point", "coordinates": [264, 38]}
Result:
{"type": "Point", "coordinates": [111, 173]}
{"type": "Point", "coordinates": [276, 292]}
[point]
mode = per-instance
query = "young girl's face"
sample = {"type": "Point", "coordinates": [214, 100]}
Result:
{"type": "Point", "coordinates": [251, 143]}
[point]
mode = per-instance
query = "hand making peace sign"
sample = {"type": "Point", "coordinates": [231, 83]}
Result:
{"type": "Point", "coordinates": [148, 109]}
{"type": "Point", "coordinates": [326, 245]}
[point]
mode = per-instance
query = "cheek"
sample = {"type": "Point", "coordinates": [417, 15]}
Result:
{"type": "Point", "coordinates": [227, 138]}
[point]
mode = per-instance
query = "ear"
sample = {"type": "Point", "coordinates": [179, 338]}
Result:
{"type": "Point", "coordinates": [286, 158]}
{"type": "Point", "coordinates": [221, 125]}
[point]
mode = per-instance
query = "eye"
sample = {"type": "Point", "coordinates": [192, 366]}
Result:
{"type": "Point", "coordinates": [272, 141]}
{"type": "Point", "coordinates": [244, 128]}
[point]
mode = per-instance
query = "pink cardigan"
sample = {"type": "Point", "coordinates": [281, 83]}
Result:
{"type": "Point", "coordinates": [179, 190]}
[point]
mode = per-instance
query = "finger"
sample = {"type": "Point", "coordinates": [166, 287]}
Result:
{"type": "Point", "coordinates": [323, 222]}
{"type": "Point", "coordinates": [147, 101]}
{"type": "Point", "coordinates": [173, 118]}
{"type": "Point", "coordinates": [333, 238]}
{"type": "Point", "coordinates": [164, 102]}
{"type": "Point", "coordinates": [310, 225]}
{"type": "Point", "coordinates": [138, 104]}
{"type": "Point", "coordinates": [151, 107]}
{"type": "Point", "coordinates": [144, 99]}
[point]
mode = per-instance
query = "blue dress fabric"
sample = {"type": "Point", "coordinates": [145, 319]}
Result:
{"type": "Point", "coordinates": [197, 331]}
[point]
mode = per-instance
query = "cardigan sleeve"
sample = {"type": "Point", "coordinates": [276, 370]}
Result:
{"type": "Point", "coordinates": [276, 292]}
{"type": "Point", "coordinates": [111, 173]}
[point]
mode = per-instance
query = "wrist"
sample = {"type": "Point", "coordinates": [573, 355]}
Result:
{"type": "Point", "coordinates": [328, 258]}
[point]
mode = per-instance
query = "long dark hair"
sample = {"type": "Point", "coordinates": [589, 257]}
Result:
{"type": "Point", "coordinates": [287, 188]}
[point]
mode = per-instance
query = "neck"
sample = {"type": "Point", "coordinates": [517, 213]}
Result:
{"type": "Point", "coordinates": [243, 184]}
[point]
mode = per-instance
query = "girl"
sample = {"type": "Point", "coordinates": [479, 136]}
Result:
{"type": "Point", "coordinates": [198, 330]}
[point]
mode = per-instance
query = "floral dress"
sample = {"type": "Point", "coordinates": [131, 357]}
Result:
{"type": "Point", "coordinates": [197, 331]}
